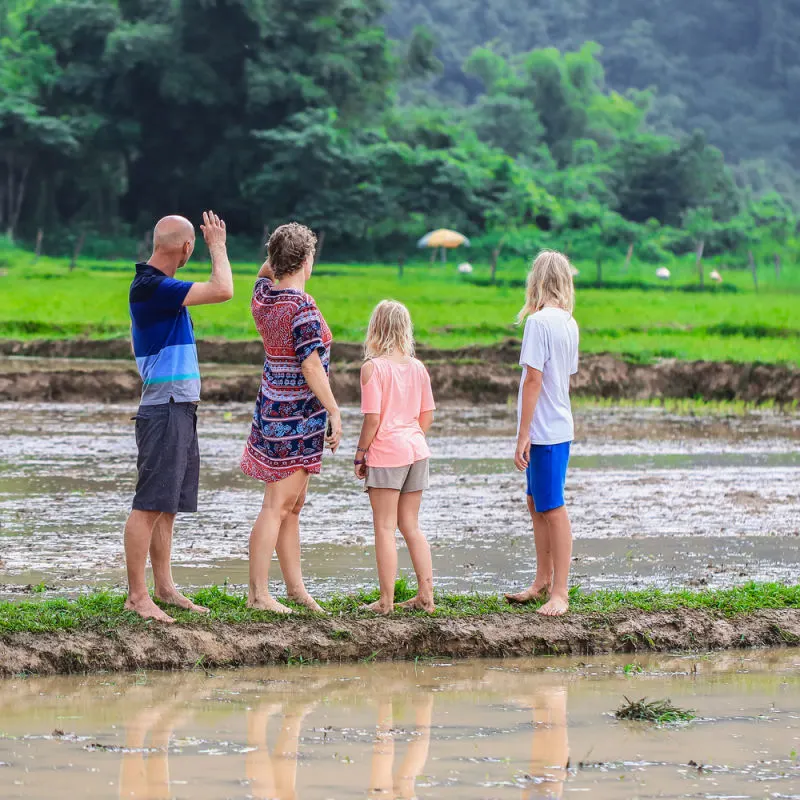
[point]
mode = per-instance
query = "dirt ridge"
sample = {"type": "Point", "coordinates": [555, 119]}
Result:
{"type": "Point", "coordinates": [341, 640]}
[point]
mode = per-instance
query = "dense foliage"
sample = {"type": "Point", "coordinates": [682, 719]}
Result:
{"type": "Point", "coordinates": [115, 112]}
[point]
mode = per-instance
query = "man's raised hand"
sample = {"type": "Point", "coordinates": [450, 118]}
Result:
{"type": "Point", "coordinates": [213, 228]}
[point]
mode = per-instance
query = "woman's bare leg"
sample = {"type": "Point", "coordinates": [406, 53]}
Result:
{"type": "Point", "coordinates": [384, 516]}
{"type": "Point", "coordinates": [561, 547]}
{"type": "Point", "coordinates": [418, 549]}
{"type": "Point", "coordinates": [543, 580]}
{"type": "Point", "coordinates": [288, 547]}
{"type": "Point", "coordinates": [280, 498]}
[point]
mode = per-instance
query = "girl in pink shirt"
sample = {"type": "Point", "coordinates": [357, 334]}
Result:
{"type": "Point", "coordinates": [392, 455]}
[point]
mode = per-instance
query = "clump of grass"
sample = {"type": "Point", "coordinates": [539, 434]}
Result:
{"type": "Point", "coordinates": [661, 712]}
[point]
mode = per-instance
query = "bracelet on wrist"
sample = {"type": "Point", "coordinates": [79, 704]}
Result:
{"type": "Point", "coordinates": [357, 463]}
{"type": "Point", "coordinates": [362, 449]}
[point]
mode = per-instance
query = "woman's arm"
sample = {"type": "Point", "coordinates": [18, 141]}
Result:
{"type": "Point", "coordinates": [318, 382]}
{"type": "Point", "coordinates": [531, 388]}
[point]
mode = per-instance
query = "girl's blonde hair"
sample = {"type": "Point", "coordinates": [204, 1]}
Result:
{"type": "Point", "coordinates": [389, 329]}
{"type": "Point", "coordinates": [549, 282]}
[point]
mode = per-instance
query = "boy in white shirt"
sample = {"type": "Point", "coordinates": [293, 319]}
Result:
{"type": "Point", "coordinates": [549, 356]}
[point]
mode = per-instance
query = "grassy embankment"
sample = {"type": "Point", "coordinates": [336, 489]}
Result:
{"type": "Point", "coordinates": [104, 610]}
{"type": "Point", "coordinates": [651, 320]}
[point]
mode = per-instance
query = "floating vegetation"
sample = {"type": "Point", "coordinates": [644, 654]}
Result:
{"type": "Point", "coordinates": [662, 712]}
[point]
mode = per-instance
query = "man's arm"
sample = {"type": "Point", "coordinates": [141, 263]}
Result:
{"type": "Point", "coordinates": [219, 287]}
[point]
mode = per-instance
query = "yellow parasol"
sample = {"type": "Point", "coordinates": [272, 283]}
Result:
{"type": "Point", "coordinates": [443, 237]}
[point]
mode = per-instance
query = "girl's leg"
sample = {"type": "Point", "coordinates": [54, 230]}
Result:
{"type": "Point", "coordinates": [561, 548]}
{"type": "Point", "coordinates": [288, 547]}
{"type": "Point", "coordinates": [384, 515]}
{"type": "Point", "coordinates": [543, 580]}
{"type": "Point", "coordinates": [279, 500]}
{"type": "Point", "coordinates": [418, 549]}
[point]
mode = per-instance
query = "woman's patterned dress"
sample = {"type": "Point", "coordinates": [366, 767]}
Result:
{"type": "Point", "coordinates": [288, 431]}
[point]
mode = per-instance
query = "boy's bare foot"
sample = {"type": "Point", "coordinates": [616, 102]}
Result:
{"type": "Point", "coordinates": [378, 608]}
{"type": "Point", "coordinates": [308, 601]}
{"type": "Point", "coordinates": [181, 601]}
{"type": "Point", "coordinates": [537, 591]}
{"type": "Point", "coordinates": [417, 604]}
{"type": "Point", "coordinates": [147, 609]}
{"type": "Point", "coordinates": [268, 603]}
{"type": "Point", "coordinates": [556, 606]}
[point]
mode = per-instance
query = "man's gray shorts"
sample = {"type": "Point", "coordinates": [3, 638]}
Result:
{"type": "Point", "coordinates": [169, 458]}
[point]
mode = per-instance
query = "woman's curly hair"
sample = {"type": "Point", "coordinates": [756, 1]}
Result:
{"type": "Point", "coordinates": [289, 247]}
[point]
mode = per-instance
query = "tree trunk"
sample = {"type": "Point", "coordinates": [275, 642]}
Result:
{"type": "Point", "coordinates": [400, 263]}
{"type": "Point", "coordinates": [433, 254]}
{"type": "Point", "coordinates": [39, 237]}
{"type": "Point", "coordinates": [699, 262]}
{"type": "Point", "coordinates": [320, 245]}
{"type": "Point", "coordinates": [777, 267]}
{"type": "Point", "coordinates": [77, 251]}
{"type": "Point", "coordinates": [628, 257]}
{"type": "Point", "coordinates": [16, 194]}
{"type": "Point", "coordinates": [495, 257]}
{"type": "Point", "coordinates": [599, 262]}
{"type": "Point", "coordinates": [753, 268]}
{"type": "Point", "coordinates": [444, 255]}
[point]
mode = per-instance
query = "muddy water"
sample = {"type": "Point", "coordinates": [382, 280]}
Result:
{"type": "Point", "coordinates": [656, 499]}
{"type": "Point", "coordinates": [532, 728]}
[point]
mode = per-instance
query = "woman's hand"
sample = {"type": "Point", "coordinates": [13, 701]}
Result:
{"type": "Point", "coordinates": [360, 470]}
{"type": "Point", "coordinates": [522, 456]}
{"type": "Point", "coordinates": [266, 271]}
{"type": "Point", "coordinates": [334, 435]}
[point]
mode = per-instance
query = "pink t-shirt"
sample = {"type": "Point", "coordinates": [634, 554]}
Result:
{"type": "Point", "coordinates": [399, 393]}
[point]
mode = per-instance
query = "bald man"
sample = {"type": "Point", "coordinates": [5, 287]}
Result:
{"type": "Point", "coordinates": [166, 422]}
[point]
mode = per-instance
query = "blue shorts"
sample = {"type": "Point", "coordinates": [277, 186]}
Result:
{"type": "Point", "coordinates": [547, 474]}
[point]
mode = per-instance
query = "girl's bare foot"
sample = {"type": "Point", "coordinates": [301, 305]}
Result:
{"type": "Point", "coordinates": [269, 603]}
{"type": "Point", "coordinates": [147, 609]}
{"type": "Point", "coordinates": [417, 604]}
{"type": "Point", "coordinates": [177, 599]}
{"type": "Point", "coordinates": [378, 608]}
{"type": "Point", "coordinates": [537, 591]}
{"type": "Point", "coordinates": [556, 606]}
{"type": "Point", "coordinates": [308, 601]}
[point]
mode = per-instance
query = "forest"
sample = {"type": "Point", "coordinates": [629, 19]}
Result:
{"type": "Point", "coordinates": [520, 125]}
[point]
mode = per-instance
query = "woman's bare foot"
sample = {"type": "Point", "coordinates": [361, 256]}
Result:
{"type": "Point", "coordinates": [268, 603]}
{"type": "Point", "coordinates": [378, 608]}
{"type": "Point", "coordinates": [556, 606]}
{"type": "Point", "coordinates": [536, 591]}
{"type": "Point", "coordinates": [417, 604]}
{"type": "Point", "coordinates": [308, 601]}
{"type": "Point", "coordinates": [181, 601]}
{"type": "Point", "coordinates": [147, 609]}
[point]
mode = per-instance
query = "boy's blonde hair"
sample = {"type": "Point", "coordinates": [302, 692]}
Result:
{"type": "Point", "coordinates": [549, 282]}
{"type": "Point", "coordinates": [390, 328]}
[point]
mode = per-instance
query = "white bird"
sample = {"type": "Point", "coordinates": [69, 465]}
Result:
{"type": "Point", "coordinates": [715, 276]}
{"type": "Point", "coordinates": [465, 268]}
{"type": "Point", "coordinates": [663, 273]}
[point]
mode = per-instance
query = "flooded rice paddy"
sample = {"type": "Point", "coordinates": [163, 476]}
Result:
{"type": "Point", "coordinates": [532, 728]}
{"type": "Point", "coordinates": [655, 499]}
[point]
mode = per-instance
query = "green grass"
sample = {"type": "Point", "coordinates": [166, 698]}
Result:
{"type": "Point", "coordinates": [687, 406]}
{"type": "Point", "coordinates": [661, 712]}
{"type": "Point", "coordinates": [46, 300]}
{"type": "Point", "coordinates": [104, 610]}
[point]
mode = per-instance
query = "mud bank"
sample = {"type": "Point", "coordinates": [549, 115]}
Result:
{"type": "Point", "coordinates": [488, 375]}
{"type": "Point", "coordinates": [340, 640]}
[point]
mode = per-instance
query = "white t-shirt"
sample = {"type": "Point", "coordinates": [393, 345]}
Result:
{"type": "Point", "coordinates": [550, 344]}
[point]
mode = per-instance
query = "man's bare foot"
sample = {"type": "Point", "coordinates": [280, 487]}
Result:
{"type": "Point", "coordinates": [308, 601]}
{"type": "Point", "coordinates": [175, 598]}
{"type": "Point", "coordinates": [537, 591]}
{"type": "Point", "coordinates": [269, 603]}
{"type": "Point", "coordinates": [378, 608]}
{"type": "Point", "coordinates": [556, 606]}
{"type": "Point", "coordinates": [417, 604]}
{"type": "Point", "coordinates": [147, 609]}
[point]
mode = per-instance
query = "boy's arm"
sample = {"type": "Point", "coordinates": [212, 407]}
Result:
{"type": "Point", "coordinates": [531, 388]}
{"type": "Point", "coordinates": [219, 287]}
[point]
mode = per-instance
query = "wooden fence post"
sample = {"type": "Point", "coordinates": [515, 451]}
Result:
{"type": "Point", "coordinates": [599, 262]}
{"type": "Point", "coordinates": [39, 237]}
{"type": "Point", "coordinates": [777, 267]}
{"type": "Point", "coordinates": [699, 262]}
{"type": "Point", "coordinates": [400, 262]}
{"type": "Point", "coordinates": [77, 251]}
{"type": "Point", "coordinates": [753, 268]}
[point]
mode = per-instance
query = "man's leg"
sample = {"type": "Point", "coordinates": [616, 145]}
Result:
{"type": "Point", "coordinates": [161, 558]}
{"type": "Point", "coordinates": [138, 535]}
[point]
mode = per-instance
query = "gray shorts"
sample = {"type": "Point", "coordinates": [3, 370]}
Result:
{"type": "Point", "coordinates": [169, 458]}
{"type": "Point", "coordinates": [412, 478]}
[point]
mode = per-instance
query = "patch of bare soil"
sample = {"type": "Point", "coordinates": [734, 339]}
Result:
{"type": "Point", "coordinates": [340, 640]}
{"type": "Point", "coordinates": [479, 374]}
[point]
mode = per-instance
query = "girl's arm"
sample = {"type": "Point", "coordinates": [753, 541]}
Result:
{"type": "Point", "coordinates": [426, 420]}
{"type": "Point", "coordinates": [369, 429]}
{"type": "Point", "coordinates": [318, 382]}
{"type": "Point", "coordinates": [531, 388]}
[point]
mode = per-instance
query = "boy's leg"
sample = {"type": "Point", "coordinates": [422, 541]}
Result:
{"type": "Point", "coordinates": [161, 558]}
{"type": "Point", "coordinates": [138, 536]}
{"type": "Point", "coordinates": [560, 532]}
{"type": "Point", "coordinates": [418, 549]}
{"type": "Point", "coordinates": [543, 579]}
{"type": "Point", "coordinates": [384, 515]}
